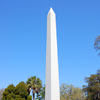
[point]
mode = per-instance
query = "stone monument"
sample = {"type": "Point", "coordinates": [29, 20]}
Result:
{"type": "Point", "coordinates": [52, 75]}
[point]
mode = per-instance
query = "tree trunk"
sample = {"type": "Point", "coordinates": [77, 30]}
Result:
{"type": "Point", "coordinates": [33, 96]}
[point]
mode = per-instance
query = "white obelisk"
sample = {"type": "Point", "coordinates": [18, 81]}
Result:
{"type": "Point", "coordinates": [52, 75]}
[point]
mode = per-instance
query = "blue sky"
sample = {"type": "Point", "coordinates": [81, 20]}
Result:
{"type": "Point", "coordinates": [23, 39]}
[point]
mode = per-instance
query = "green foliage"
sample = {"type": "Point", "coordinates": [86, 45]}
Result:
{"type": "Point", "coordinates": [41, 94]}
{"type": "Point", "coordinates": [69, 92]}
{"type": "Point", "coordinates": [92, 90]}
{"type": "Point", "coordinates": [29, 97]}
{"type": "Point", "coordinates": [9, 93]}
{"type": "Point", "coordinates": [97, 44]}
{"type": "Point", "coordinates": [21, 89]}
{"type": "Point", "coordinates": [34, 84]}
{"type": "Point", "coordinates": [16, 93]}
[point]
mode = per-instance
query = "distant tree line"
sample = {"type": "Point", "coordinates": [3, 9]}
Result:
{"type": "Point", "coordinates": [22, 91]}
{"type": "Point", "coordinates": [69, 92]}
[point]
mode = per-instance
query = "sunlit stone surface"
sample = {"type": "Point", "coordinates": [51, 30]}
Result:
{"type": "Point", "coordinates": [52, 74]}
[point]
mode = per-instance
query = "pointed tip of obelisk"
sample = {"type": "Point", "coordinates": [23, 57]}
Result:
{"type": "Point", "coordinates": [51, 11]}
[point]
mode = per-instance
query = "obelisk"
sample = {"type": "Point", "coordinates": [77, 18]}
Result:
{"type": "Point", "coordinates": [52, 75]}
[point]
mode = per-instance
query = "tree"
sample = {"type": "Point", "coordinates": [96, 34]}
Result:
{"type": "Point", "coordinates": [34, 84]}
{"type": "Point", "coordinates": [92, 89]}
{"type": "Point", "coordinates": [1, 92]}
{"type": "Point", "coordinates": [41, 95]}
{"type": "Point", "coordinates": [21, 89]}
{"type": "Point", "coordinates": [9, 93]}
{"type": "Point", "coordinates": [97, 44]}
{"type": "Point", "coordinates": [16, 93]}
{"type": "Point", "coordinates": [69, 92]}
